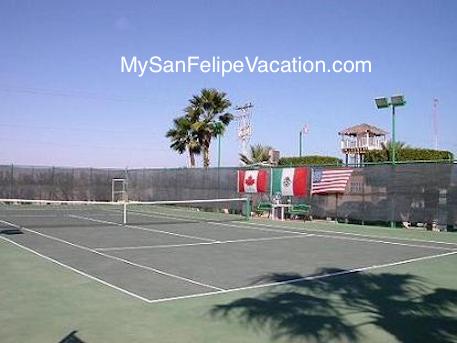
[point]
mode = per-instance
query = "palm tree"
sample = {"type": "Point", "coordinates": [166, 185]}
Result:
{"type": "Point", "coordinates": [387, 148]}
{"type": "Point", "coordinates": [183, 138]}
{"type": "Point", "coordinates": [209, 117]}
{"type": "Point", "coordinates": [258, 154]}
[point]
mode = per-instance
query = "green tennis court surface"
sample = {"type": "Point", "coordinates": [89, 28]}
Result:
{"type": "Point", "coordinates": [171, 276]}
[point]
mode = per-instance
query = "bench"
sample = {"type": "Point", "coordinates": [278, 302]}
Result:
{"type": "Point", "coordinates": [298, 210]}
{"type": "Point", "coordinates": [263, 207]}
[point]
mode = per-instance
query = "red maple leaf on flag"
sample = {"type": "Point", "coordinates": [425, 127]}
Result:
{"type": "Point", "coordinates": [249, 181]}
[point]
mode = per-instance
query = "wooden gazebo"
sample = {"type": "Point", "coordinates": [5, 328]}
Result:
{"type": "Point", "coordinates": [357, 140]}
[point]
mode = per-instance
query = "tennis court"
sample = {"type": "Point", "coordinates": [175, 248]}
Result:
{"type": "Point", "coordinates": [166, 253]}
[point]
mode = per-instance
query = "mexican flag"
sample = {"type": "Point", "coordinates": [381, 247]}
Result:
{"type": "Point", "coordinates": [252, 181]}
{"type": "Point", "coordinates": [290, 181]}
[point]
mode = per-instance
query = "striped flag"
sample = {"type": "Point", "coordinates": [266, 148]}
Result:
{"type": "Point", "coordinates": [330, 180]}
{"type": "Point", "coordinates": [290, 181]}
{"type": "Point", "coordinates": [252, 181]}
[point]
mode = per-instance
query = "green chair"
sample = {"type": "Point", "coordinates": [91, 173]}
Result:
{"type": "Point", "coordinates": [263, 207]}
{"type": "Point", "coordinates": [298, 210]}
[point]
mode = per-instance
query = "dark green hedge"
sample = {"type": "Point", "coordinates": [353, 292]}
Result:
{"type": "Point", "coordinates": [308, 160]}
{"type": "Point", "coordinates": [376, 156]}
{"type": "Point", "coordinates": [409, 154]}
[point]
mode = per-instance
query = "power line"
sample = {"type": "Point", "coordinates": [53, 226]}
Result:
{"type": "Point", "coordinates": [72, 93]}
{"type": "Point", "coordinates": [71, 145]}
{"type": "Point", "coordinates": [132, 131]}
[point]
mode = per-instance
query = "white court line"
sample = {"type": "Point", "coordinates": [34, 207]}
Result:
{"type": "Point", "coordinates": [77, 270]}
{"type": "Point", "coordinates": [361, 234]}
{"type": "Point", "coordinates": [306, 278]}
{"type": "Point", "coordinates": [43, 210]}
{"type": "Point", "coordinates": [154, 214]}
{"type": "Point", "coordinates": [197, 244]}
{"type": "Point", "coordinates": [368, 240]}
{"type": "Point", "coordinates": [196, 221]}
{"type": "Point", "coordinates": [279, 229]}
{"type": "Point", "coordinates": [223, 291]}
{"type": "Point", "coordinates": [302, 228]}
{"type": "Point", "coordinates": [33, 215]}
{"type": "Point", "coordinates": [139, 247]}
{"type": "Point", "coordinates": [158, 271]}
{"type": "Point", "coordinates": [142, 228]}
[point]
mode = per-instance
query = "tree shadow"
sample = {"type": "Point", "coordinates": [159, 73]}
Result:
{"type": "Point", "coordinates": [71, 338]}
{"type": "Point", "coordinates": [336, 308]}
{"type": "Point", "coordinates": [10, 232]}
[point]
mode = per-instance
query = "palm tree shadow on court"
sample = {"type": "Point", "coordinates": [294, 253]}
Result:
{"type": "Point", "coordinates": [71, 338]}
{"type": "Point", "coordinates": [337, 308]}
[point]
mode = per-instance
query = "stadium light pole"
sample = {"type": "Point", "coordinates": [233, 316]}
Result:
{"type": "Point", "coordinates": [395, 101]}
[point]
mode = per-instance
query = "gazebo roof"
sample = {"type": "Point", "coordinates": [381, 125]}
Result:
{"type": "Point", "coordinates": [363, 128]}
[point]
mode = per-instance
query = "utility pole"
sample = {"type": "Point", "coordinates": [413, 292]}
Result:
{"type": "Point", "coordinates": [244, 125]}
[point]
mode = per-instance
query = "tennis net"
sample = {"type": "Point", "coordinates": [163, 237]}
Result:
{"type": "Point", "coordinates": [22, 212]}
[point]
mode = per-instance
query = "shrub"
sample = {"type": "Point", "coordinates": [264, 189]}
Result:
{"type": "Point", "coordinates": [308, 160]}
{"type": "Point", "coordinates": [409, 154]}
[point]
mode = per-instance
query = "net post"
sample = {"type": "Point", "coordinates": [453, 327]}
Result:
{"type": "Point", "coordinates": [247, 205]}
{"type": "Point", "coordinates": [124, 217]}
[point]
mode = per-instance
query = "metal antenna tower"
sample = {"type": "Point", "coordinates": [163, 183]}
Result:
{"type": "Point", "coordinates": [244, 125]}
{"type": "Point", "coordinates": [435, 122]}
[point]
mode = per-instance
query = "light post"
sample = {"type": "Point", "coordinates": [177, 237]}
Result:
{"type": "Point", "coordinates": [395, 101]}
{"type": "Point", "coordinates": [305, 130]}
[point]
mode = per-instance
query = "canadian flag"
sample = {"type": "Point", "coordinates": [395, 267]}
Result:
{"type": "Point", "coordinates": [252, 181]}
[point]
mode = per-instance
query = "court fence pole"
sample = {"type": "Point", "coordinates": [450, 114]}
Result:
{"type": "Point", "coordinates": [124, 217]}
{"type": "Point", "coordinates": [393, 147]}
{"type": "Point", "coordinates": [248, 208]}
{"type": "Point", "coordinates": [12, 181]}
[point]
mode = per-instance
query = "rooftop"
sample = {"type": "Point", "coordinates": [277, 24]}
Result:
{"type": "Point", "coordinates": [363, 128]}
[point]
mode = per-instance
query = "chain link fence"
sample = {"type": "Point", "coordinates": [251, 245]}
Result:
{"type": "Point", "coordinates": [417, 193]}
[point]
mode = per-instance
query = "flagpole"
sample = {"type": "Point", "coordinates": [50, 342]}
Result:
{"type": "Point", "coordinates": [303, 131]}
{"type": "Point", "coordinates": [363, 199]}
{"type": "Point", "coordinates": [300, 143]}
{"type": "Point", "coordinates": [311, 188]}
{"type": "Point", "coordinates": [271, 183]}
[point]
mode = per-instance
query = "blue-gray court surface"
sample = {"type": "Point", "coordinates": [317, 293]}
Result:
{"type": "Point", "coordinates": [162, 255]}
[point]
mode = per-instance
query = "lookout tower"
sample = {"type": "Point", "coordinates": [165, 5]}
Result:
{"type": "Point", "coordinates": [357, 140]}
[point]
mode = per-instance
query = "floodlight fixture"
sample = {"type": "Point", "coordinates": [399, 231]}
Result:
{"type": "Point", "coordinates": [382, 102]}
{"type": "Point", "coordinates": [397, 100]}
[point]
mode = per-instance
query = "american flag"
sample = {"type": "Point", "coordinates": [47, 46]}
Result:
{"type": "Point", "coordinates": [330, 180]}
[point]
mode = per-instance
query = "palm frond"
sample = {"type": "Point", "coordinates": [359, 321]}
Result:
{"type": "Point", "coordinates": [258, 154]}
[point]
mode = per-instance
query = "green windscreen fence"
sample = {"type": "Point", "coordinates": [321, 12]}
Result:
{"type": "Point", "coordinates": [417, 193]}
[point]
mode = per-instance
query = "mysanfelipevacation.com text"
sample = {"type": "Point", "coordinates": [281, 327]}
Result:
{"type": "Point", "coordinates": [223, 67]}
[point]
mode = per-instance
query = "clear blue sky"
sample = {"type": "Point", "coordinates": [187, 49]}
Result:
{"type": "Point", "coordinates": [64, 101]}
